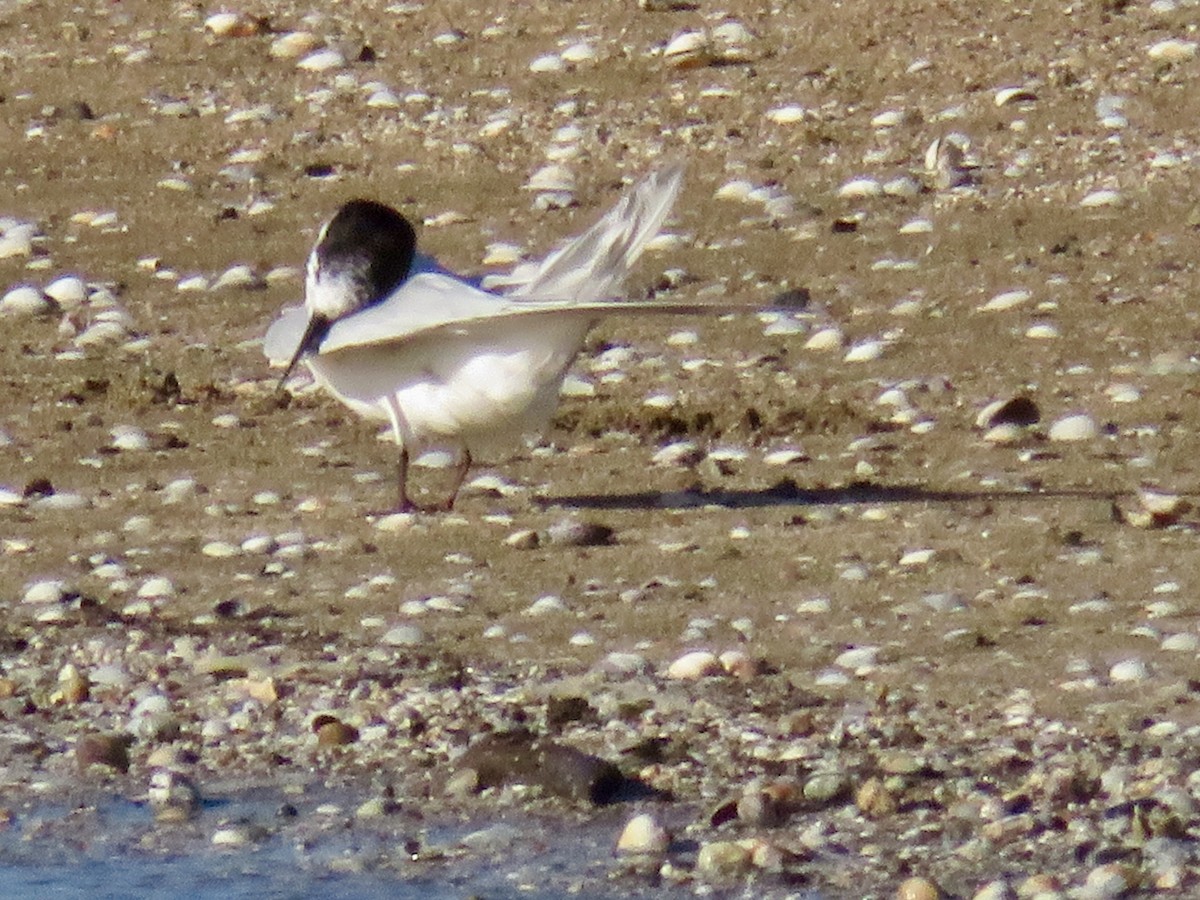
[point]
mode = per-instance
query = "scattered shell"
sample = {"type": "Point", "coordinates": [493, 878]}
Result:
{"type": "Point", "coordinates": [68, 291]}
{"type": "Point", "coordinates": [1129, 670]}
{"type": "Point", "coordinates": [1010, 95]}
{"type": "Point", "coordinates": [322, 61]}
{"type": "Point", "coordinates": [1020, 410]}
{"type": "Point", "coordinates": [788, 114]}
{"type": "Point", "coordinates": [579, 53]}
{"type": "Point", "coordinates": [1172, 50]}
{"type": "Point", "coordinates": [1078, 427]}
{"type": "Point", "coordinates": [688, 50]}
{"type": "Point", "coordinates": [860, 187]}
{"type": "Point", "coordinates": [549, 62]}
{"type": "Point", "coordinates": [679, 453]}
{"type": "Point", "coordinates": [232, 24]}
{"type": "Point", "coordinates": [825, 339]}
{"type": "Point", "coordinates": [863, 351]}
{"type": "Point", "coordinates": [1006, 300]}
{"type": "Point", "coordinates": [1102, 197]}
{"type": "Point", "coordinates": [696, 664]}
{"type": "Point", "coordinates": [294, 44]}
{"type": "Point", "coordinates": [25, 300]}
{"type": "Point", "coordinates": [239, 276]}
{"type": "Point", "coordinates": [643, 835]}
{"type": "Point", "coordinates": [129, 437]}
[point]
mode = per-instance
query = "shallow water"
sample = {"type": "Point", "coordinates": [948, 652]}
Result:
{"type": "Point", "coordinates": [112, 847]}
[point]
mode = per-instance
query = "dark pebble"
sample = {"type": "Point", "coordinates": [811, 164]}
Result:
{"type": "Point", "coordinates": [520, 757]}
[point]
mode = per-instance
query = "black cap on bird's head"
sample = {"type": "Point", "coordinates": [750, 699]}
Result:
{"type": "Point", "coordinates": [362, 254]}
{"type": "Point", "coordinates": [371, 244]}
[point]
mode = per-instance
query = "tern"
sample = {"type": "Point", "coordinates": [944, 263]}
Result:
{"type": "Point", "coordinates": [449, 365]}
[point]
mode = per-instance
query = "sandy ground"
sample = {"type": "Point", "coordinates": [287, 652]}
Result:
{"type": "Point", "coordinates": [1010, 586]}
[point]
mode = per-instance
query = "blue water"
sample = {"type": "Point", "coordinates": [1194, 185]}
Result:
{"type": "Point", "coordinates": [113, 848]}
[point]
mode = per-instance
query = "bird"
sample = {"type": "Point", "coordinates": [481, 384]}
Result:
{"type": "Point", "coordinates": [449, 364]}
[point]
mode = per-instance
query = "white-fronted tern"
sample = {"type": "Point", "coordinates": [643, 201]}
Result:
{"type": "Point", "coordinates": [449, 365]}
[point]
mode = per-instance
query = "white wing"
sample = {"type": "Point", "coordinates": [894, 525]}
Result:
{"type": "Point", "coordinates": [594, 265]}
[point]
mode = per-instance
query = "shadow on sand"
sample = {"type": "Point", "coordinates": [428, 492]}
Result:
{"type": "Point", "coordinates": [788, 493]}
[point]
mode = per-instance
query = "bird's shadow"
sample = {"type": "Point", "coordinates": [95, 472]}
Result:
{"type": "Point", "coordinates": [787, 493]}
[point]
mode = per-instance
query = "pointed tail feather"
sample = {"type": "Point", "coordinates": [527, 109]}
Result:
{"type": "Point", "coordinates": [594, 265]}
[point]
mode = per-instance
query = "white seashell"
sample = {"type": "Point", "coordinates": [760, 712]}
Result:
{"type": "Point", "coordinates": [17, 243]}
{"type": "Point", "coordinates": [696, 664]}
{"type": "Point", "coordinates": [687, 50]}
{"type": "Point", "coordinates": [1110, 110]}
{"type": "Point", "coordinates": [549, 62]}
{"type": "Point", "coordinates": [788, 114]}
{"type": "Point", "coordinates": [864, 351]}
{"type": "Point", "coordinates": [545, 606]}
{"type": "Point", "coordinates": [784, 325]}
{"type": "Point", "coordinates": [666, 240]}
{"type": "Point", "coordinates": [1172, 50]}
{"type": "Point", "coordinates": [449, 38]}
{"type": "Point", "coordinates": [581, 52]}
{"type": "Point", "coordinates": [220, 550]}
{"type": "Point", "coordinates": [643, 835]}
{"type": "Point", "coordinates": [916, 226]}
{"type": "Point", "coordinates": [732, 33]}
{"type": "Point", "coordinates": [174, 183]}
{"type": "Point", "coordinates": [1161, 503]}
{"type": "Point", "coordinates": [889, 118]}
{"type": "Point", "coordinates": [69, 291]}
{"type": "Point", "coordinates": [1010, 95]}
{"type": "Point", "coordinates": [915, 558]}
{"type": "Point", "coordinates": [860, 187]}
{"type": "Point", "coordinates": [502, 254]}
{"type": "Point", "coordinates": [129, 437]}
{"type": "Point", "coordinates": [1187, 643]}
{"type": "Point", "coordinates": [259, 544]}
{"type": "Point", "coordinates": [497, 124]}
{"type": "Point", "coordinates": [322, 61]}
{"type": "Point", "coordinates": [1102, 197]}
{"type": "Point", "coordinates": [178, 490]}
{"type": "Point", "coordinates": [47, 591]}
{"type": "Point", "coordinates": [444, 219]}
{"type": "Point", "coordinates": [1006, 300]}
{"type": "Point", "coordinates": [25, 300]}
{"type": "Point", "coordinates": [95, 218]}
{"type": "Point", "coordinates": [384, 98]}
{"type": "Point", "coordinates": [294, 44]}
{"type": "Point", "coordinates": [241, 276]}
{"type": "Point", "coordinates": [679, 453]}
{"type": "Point", "coordinates": [1042, 331]}
{"type": "Point", "coordinates": [228, 24]}
{"type": "Point", "coordinates": [574, 386]}
{"type": "Point", "coordinates": [102, 333]}
{"type": "Point", "coordinates": [683, 339]}
{"type": "Point", "coordinates": [63, 501]}
{"type": "Point", "coordinates": [157, 587]}
{"type": "Point", "coordinates": [894, 397]}
{"type": "Point", "coordinates": [738, 190]}
{"type": "Point", "coordinates": [825, 339]}
{"type": "Point", "coordinates": [784, 457]}
{"type": "Point", "coordinates": [192, 283]}
{"type": "Point", "coordinates": [1123, 393]}
{"type": "Point", "coordinates": [1078, 427]}
{"type": "Point", "coordinates": [1129, 670]}
{"type": "Point", "coordinates": [858, 658]}
{"type": "Point", "coordinates": [659, 401]}
{"type": "Point", "coordinates": [551, 178]}
{"type": "Point", "coordinates": [1004, 433]}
